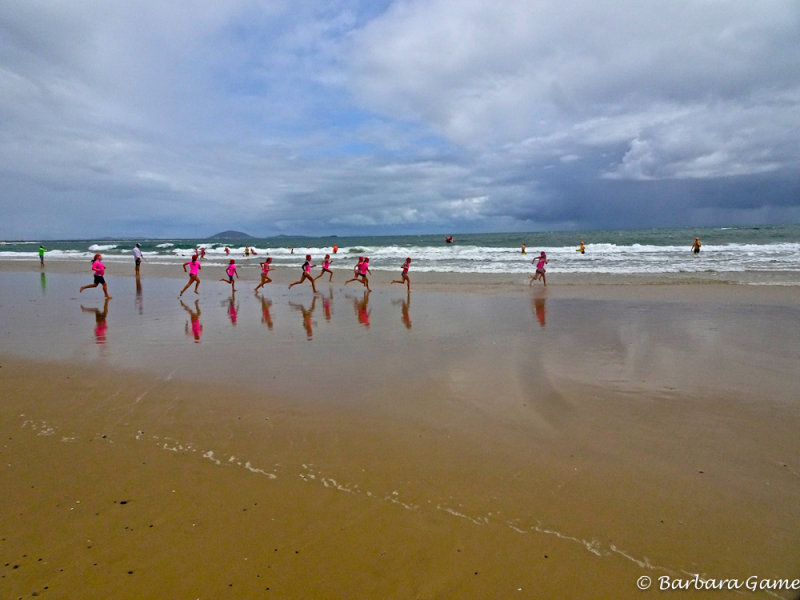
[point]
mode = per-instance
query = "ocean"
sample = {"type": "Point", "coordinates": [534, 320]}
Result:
{"type": "Point", "coordinates": [765, 255]}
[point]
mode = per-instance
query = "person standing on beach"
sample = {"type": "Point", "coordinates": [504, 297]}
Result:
{"type": "Point", "coordinates": [326, 268]}
{"type": "Point", "coordinates": [194, 275]}
{"type": "Point", "coordinates": [307, 266]}
{"type": "Point", "coordinates": [42, 250]}
{"type": "Point", "coordinates": [696, 246]}
{"type": "Point", "coordinates": [99, 270]}
{"type": "Point", "coordinates": [231, 272]}
{"type": "Point", "coordinates": [356, 270]}
{"type": "Point", "coordinates": [137, 257]}
{"type": "Point", "coordinates": [540, 263]}
{"type": "Point", "coordinates": [265, 267]}
{"type": "Point", "coordinates": [404, 275]}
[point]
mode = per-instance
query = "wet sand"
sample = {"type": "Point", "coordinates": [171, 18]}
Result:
{"type": "Point", "coordinates": [477, 440]}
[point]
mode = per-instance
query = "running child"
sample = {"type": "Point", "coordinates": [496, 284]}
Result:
{"type": "Point", "coordinates": [307, 266]}
{"type": "Point", "coordinates": [540, 263]}
{"type": "Point", "coordinates": [194, 275]}
{"type": "Point", "coordinates": [326, 268]}
{"type": "Point", "coordinates": [99, 270]}
{"type": "Point", "coordinates": [230, 272]}
{"type": "Point", "coordinates": [362, 272]}
{"type": "Point", "coordinates": [356, 270]}
{"type": "Point", "coordinates": [404, 276]}
{"type": "Point", "coordinates": [265, 268]}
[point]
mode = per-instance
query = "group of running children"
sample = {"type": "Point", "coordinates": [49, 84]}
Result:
{"type": "Point", "coordinates": [360, 273]}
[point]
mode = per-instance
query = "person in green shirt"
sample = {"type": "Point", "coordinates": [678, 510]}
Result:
{"type": "Point", "coordinates": [42, 250]}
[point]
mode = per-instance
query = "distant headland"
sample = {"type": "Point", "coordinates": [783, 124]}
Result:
{"type": "Point", "coordinates": [231, 235]}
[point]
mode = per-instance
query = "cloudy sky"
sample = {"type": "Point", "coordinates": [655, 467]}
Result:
{"type": "Point", "coordinates": [315, 117]}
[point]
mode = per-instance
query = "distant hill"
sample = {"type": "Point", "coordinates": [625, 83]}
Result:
{"type": "Point", "coordinates": [231, 235]}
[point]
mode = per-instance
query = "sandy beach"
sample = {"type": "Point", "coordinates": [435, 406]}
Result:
{"type": "Point", "coordinates": [478, 438]}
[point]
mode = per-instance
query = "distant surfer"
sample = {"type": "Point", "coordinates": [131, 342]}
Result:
{"type": "Point", "coordinates": [448, 239]}
{"type": "Point", "coordinates": [696, 246]}
{"type": "Point", "coordinates": [404, 275]}
{"type": "Point", "coordinates": [194, 275]}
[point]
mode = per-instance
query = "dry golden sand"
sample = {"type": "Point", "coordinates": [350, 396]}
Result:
{"type": "Point", "coordinates": [473, 473]}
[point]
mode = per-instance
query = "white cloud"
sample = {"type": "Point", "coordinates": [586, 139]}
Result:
{"type": "Point", "coordinates": [411, 113]}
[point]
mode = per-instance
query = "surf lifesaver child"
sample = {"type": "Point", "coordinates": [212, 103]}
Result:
{"type": "Point", "coordinates": [194, 275]}
{"type": "Point", "coordinates": [696, 246]}
{"type": "Point", "coordinates": [326, 268]}
{"type": "Point", "coordinates": [362, 272]}
{"type": "Point", "coordinates": [582, 249]}
{"type": "Point", "coordinates": [307, 266]}
{"type": "Point", "coordinates": [404, 275]}
{"type": "Point", "coordinates": [541, 261]}
{"type": "Point", "coordinates": [231, 272]}
{"type": "Point", "coordinates": [356, 270]}
{"type": "Point", "coordinates": [265, 268]}
{"type": "Point", "coordinates": [99, 270]}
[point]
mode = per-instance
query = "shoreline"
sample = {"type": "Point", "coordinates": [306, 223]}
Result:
{"type": "Point", "coordinates": [681, 287]}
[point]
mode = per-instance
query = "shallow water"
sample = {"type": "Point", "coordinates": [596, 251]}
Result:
{"type": "Point", "coordinates": [344, 340]}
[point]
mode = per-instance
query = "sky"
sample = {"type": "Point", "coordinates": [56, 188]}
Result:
{"type": "Point", "coordinates": [369, 117]}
